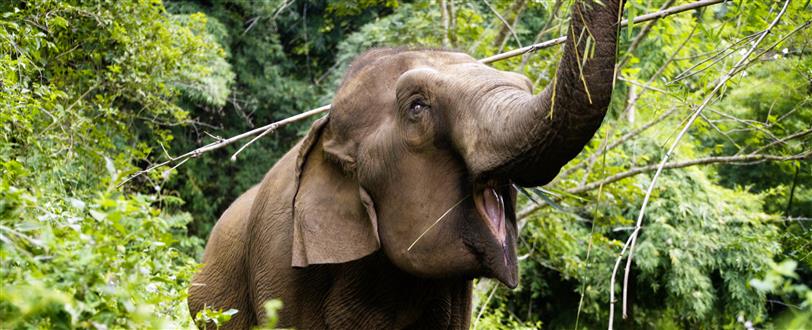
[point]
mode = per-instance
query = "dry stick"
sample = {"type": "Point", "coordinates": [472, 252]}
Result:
{"type": "Point", "coordinates": [755, 58]}
{"type": "Point", "coordinates": [756, 125]}
{"type": "Point", "coordinates": [436, 222]}
{"type": "Point", "coordinates": [717, 57]}
{"type": "Point", "coordinates": [785, 37]}
{"type": "Point", "coordinates": [270, 127]}
{"type": "Point", "coordinates": [274, 126]}
{"type": "Point", "coordinates": [630, 243]}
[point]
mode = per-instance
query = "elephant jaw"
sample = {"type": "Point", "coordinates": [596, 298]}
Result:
{"type": "Point", "coordinates": [490, 199]}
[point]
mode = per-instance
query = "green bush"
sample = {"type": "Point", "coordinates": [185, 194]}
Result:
{"type": "Point", "coordinates": [109, 260]}
{"type": "Point", "coordinates": [87, 88]}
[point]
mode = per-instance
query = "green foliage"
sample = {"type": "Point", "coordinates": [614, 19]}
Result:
{"type": "Point", "coordinates": [83, 87]}
{"type": "Point", "coordinates": [208, 316]}
{"type": "Point", "coordinates": [781, 280]}
{"type": "Point", "coordinates": [108, 260]}
{"type": "Point", "coordinates": [772, 100]}
{"type": "Point", "coordinates": [707, 232]}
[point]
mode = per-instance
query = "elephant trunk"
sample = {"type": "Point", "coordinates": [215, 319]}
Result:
{"type": "Point", "coordinates": [529, 138]}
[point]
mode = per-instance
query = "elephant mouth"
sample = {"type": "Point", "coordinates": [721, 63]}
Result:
{"type": "Point", "coordinates": [495, 200]}
{"type": "Point", "coordinates": [490, 203]}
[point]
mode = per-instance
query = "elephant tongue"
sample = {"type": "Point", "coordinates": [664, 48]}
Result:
{"type": "Point", "coordinates": [494, 207]}
{"type": "Point", "coordinates": [491, 207]}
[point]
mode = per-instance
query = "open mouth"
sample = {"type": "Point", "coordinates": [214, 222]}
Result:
{"type": "Point", "coordinates": [490, 199]}
{"type": "Point", "coordinates": [495, 201]}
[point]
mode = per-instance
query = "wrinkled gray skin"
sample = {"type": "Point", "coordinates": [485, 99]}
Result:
{"type": "Point", "coordinates": [413, 136]}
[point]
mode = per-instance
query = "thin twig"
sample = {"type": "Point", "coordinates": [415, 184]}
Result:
{"type": "Point", "coordinates": [485, 304]}
{"type": "Point", "coordinates": [657, 74]}
{"type": "Point", "coordinates": [283, 122]}
{"type": "Point", "coordinates": [437, 221]}
{"type": "Point", "coordinates": [630, 243]}
{"type": "Point", "coordinates": [617, 142]}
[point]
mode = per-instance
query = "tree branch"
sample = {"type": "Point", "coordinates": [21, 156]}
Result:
{"type": "Point", "coordinates": [222, 143]}
{"type": "Point", "coordinates": [732, 160]}
{"type": "Point", "coordinates": [515, 14]}
{"type": "Point", "coordinates": [616, 143]}
{"type": "Point", "coordinates": [782, 140]}
{"type": "Point", "coordinates": [739, 160]}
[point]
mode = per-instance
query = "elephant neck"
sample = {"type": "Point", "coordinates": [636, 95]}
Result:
{"type": "Point", "coordinates": [374, 293]}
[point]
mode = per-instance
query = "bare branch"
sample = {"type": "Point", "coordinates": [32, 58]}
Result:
{"type": "Point", "coordinates": [504, 22]}
{"type": "Point", "coordinates": [446, 21]}
{"type": "Point", "coordinates": [513, 14]}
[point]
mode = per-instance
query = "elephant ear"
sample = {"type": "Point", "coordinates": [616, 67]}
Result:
{"type": "Point", "coordinates": [334, 219]}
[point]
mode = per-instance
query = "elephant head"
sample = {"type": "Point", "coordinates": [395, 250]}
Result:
{"type": "Point", "coordinates": [421, 150]}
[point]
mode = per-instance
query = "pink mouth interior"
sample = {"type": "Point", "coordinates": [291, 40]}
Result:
{"type": "Point", "coordinates": [493, 207]}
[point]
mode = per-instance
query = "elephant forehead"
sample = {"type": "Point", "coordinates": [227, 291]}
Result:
{"type": "Point", "coordinates": [370, 81]}
{"type": "Point", "coordinates": [474, 74]}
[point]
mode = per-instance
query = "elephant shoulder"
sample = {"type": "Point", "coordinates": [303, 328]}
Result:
{"type": "Point", "coordinates": [232, 225]}
{"type": "Point", "coordinates": [274, 197]}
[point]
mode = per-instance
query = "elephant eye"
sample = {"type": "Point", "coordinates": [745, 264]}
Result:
{"type": "Point", "coordinates": [417, 108]}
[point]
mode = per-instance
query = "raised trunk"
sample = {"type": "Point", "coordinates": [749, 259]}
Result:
{"type": "Point", "coordinates": [529, 138]}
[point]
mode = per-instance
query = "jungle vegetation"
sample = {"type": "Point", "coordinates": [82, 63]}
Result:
{"type": "Point", "coordinates": [93, 91]}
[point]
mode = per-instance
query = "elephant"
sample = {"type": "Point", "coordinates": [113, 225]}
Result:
{"type": "Point", "coordinates": [390, 206]}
